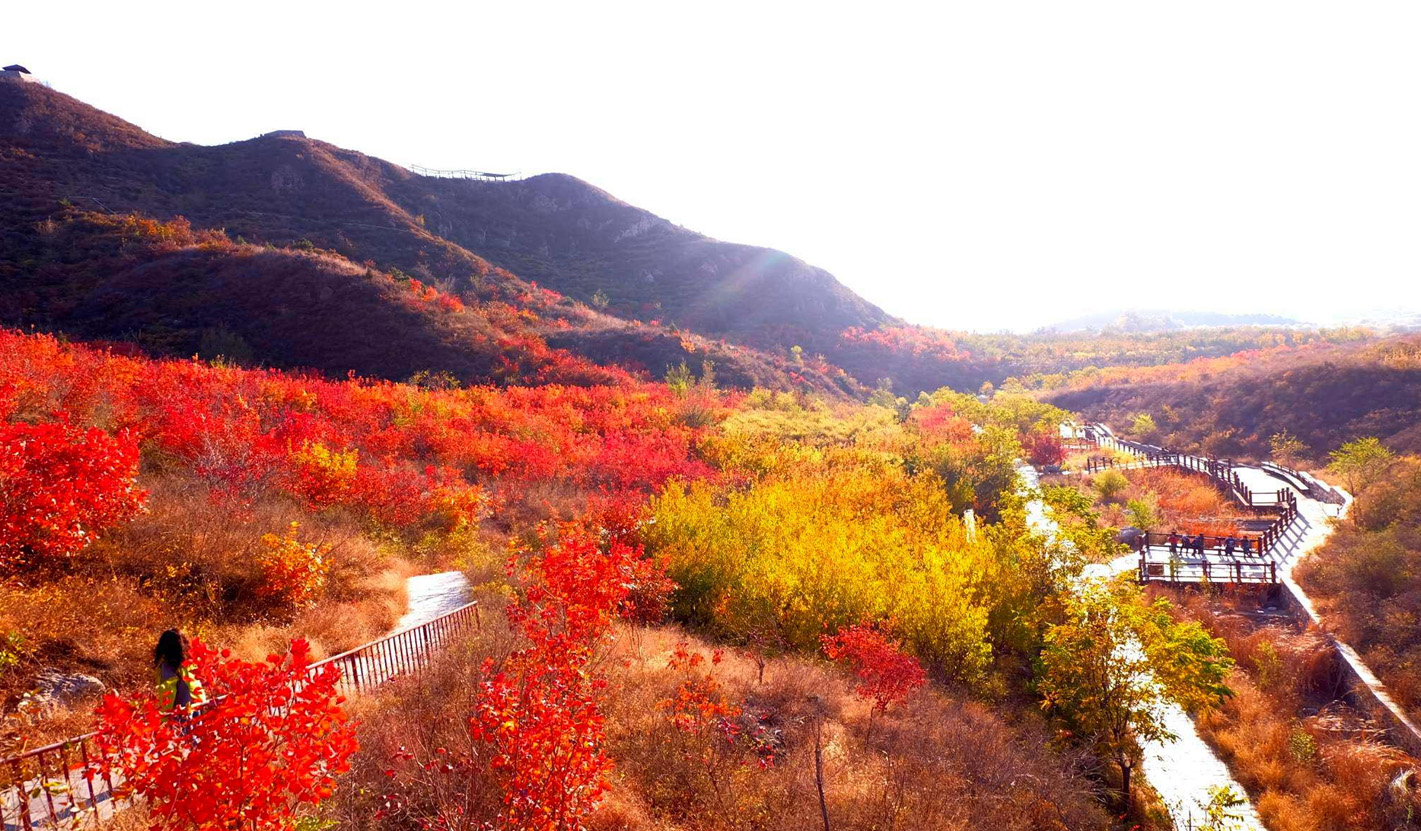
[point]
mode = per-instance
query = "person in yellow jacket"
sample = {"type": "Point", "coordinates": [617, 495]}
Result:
{"type": "Point", "coordinates": [178, 688]}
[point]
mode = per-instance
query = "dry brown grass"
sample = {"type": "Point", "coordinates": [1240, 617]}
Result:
{"type": "Point", "coordinates": [1307, 768]}
{"type": "Point", "coordinates": [935, 762]}
{"type": "Point", "coordinates": [190, 562]}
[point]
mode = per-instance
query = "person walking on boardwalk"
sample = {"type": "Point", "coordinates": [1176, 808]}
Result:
{"type": "Point", "coordinates": [1229, 545]}
{"type": "Point", "coordinates": [1173, 543]}
{"type": "Point", "coordinates": [1199, 545]}
{"type": "Point", "coordinates": [1248, 546]}
{"type": "Point", "coordinates": [177, 686]}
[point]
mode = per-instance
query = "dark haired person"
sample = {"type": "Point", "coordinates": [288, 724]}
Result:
{"type": "Point", "coordinates": [1248, 546]}
{"type": "Point", "coordinates": [177, 686]}
{"type": "Point", "coordinates": [1173, 543]}
{"type": "Point", "coordinates": [1199, 544]}
{"type": "Point", "coordinates": [1229, 545]}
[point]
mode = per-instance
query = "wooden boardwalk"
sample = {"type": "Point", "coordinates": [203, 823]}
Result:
{"type": "Point", "coordinates": [1214, 560]}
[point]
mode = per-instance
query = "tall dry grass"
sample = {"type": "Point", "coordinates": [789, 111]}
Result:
{"type": "Point", "coordinates": [191, 562]}
{"type": "Point", "coordinates": [935, 762]}
{"type": "Point", "coordinates": [1309, 763]}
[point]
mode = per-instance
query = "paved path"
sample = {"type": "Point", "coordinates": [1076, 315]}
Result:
{"type": "Point", "coordinates": [431, 595]}
{"type": "Point", "coordinates": [1182, 771]}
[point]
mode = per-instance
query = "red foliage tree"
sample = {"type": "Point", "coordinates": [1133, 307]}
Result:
{"type": "Point", "coordinates": [274, 738]}
{"type": "Point", "coordinates": [538, 712]}
{"type": "Point", "coordinates": [712, 726]}
{"type": "Point", "coordinates": [700, 704]}
{"type": "Point", "coordinates": [886, 674]}
{"type": "Point", "coordinates": [60, 487]}
{"type": "Point", "coordinates": [1044, 448]}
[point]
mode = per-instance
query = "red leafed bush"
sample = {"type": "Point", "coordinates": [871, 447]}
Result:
{"type": "Point", "coordinates": [539, 712]}
{"type": "Point", "coordinates": [60, 487]}
{"type": "Point", "coordinates": [1043, 448]}
{"type": "Point", "coordinates": [700, 705]}
{"type": "Point", "coordinates": [400, 454]}
{"type": "Point", "coordinates": [274, 739]}
{"type": "Point", "coordinates": [886, 674]}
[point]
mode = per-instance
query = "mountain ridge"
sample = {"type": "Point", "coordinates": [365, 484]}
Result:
{"type": "Point", "coordinates": [65, 158]}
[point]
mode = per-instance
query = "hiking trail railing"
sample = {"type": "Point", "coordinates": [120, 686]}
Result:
{"type": "Point", "coordinates": [56, 786]}
{"type": "Point", "coordinates": [1185, 560]}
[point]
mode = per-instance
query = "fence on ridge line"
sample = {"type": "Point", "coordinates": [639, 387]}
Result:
{"type": "Point", "coordinates": [55, 786]}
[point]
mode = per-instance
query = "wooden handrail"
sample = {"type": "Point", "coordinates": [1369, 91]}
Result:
{"type": "Point", "coordinates": [1284, 500]}
{"type": "Point", "coordinates": [406, 651]}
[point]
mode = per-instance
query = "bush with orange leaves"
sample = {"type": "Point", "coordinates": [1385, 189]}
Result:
{"type": "Point", "coordinates": [292, 572]}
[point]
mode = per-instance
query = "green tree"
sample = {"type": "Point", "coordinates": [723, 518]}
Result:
{"type": "Point", "coordinates": [1079, 524]}
{"type": "Point", "coordinates": [1360, 462]}
{"type": "Point", "coordinates": [1222, 811]}
{"type": "Point", "coordinates": [600, 300]}
{"type": "Point", "coordinates": [979, 474]}
{"type": "Point", "coordinates": [1114, 666]}
{"type": "Point", "coordinates": [679, 378]}
{"type": "Point", "coordinates": [1110, 484]}
{"type": "Point", "coordinates": [1143, 426]}
{"type": "Point", "coordinates": [1142, 513]}
{"type": "Point", "coordinates": [222, 344]}
{"type": "Point", "coordinates": [707, 379]}
{"type": "Point", "coordinates": [1286, 449]}
{"type": "Point", "coordinates": [884, 397]}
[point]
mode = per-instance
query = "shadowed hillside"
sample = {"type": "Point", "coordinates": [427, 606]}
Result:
{"type": "Point", "coordinates": [567, 234]}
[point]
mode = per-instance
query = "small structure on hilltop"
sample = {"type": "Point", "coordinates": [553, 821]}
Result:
{"type": "Point", "coordinates": [15, 72]}
{"type": "Point", "coordinates": [280, 133]}
{"type": "Point", "coordinates": [480, 175]}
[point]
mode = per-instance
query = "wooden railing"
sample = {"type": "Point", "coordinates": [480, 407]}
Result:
{"type": "Point", "coordinates": [1216, 563]}
{"type": "Point", "coordinates": [56, 786]}
{"type": "Point", "coordinates": [480, 175]}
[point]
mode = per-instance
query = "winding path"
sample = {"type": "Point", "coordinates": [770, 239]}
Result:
{"type": "Point", "coordinates": [1182, 771]}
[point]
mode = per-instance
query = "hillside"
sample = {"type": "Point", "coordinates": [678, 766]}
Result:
{"type": "Point", "coordinates": [566, 234]}
{"type": "Point", "coordinates": [95, 211]}
{"type": "Point", "coordinates": [1323, 397]}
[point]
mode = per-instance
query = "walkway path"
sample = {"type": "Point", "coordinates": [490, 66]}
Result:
{"type": "Point", "coordinates": [1182, 771]}
{"type": "Point", "coordinates": [51, 801]}
{"type": "Point", "coordinates": [1307, 532]}
{"type": "Point", "coordinates": [431, 595]}
{"type": "Point", "coordinates": [1310, 530]}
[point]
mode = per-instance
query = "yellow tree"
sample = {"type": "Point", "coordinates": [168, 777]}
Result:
{"type": "Point", "coordinates": [1115, 665]}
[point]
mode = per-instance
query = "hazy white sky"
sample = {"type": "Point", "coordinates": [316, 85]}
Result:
{"type": "Point", "coordinates": [966, 164]}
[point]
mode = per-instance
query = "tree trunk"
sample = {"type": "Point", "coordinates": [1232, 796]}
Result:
{"type": "Point", "coordinates": [819, 772]}
{"type": "Point", "coordinates": [1125, 786]}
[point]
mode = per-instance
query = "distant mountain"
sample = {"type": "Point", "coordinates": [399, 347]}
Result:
{"type": "Point", "coordinates": [1140, 320]}
{"type": "Point", "coordinates": [333, 216]}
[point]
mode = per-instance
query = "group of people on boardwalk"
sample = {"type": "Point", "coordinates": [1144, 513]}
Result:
{"type": "Point", "coordinates": [1195, 545]}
